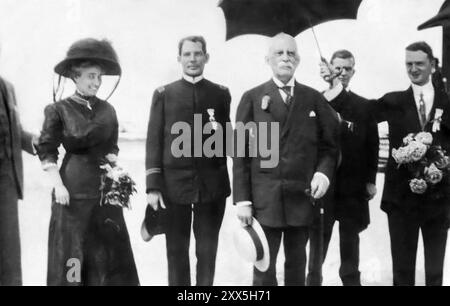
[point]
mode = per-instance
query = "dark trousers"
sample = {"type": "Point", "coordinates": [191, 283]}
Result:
{"type": "Point", "coordinates": [10, 255]}
{"type": "Point", "coordinates": [294, 243]}
{"type": "Point", "coordinates": [404, 233]}
{"type": "Point", "coordinates": [207, 220]}
{"type": "Point", "coordinates": [349, 252]}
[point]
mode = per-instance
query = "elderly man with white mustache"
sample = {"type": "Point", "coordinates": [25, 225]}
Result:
{"type": "Point", "coordinates": [277, 197]}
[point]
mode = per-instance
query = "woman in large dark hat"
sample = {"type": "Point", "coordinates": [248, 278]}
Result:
{"type": "Point", "coordinates": [88, 242]}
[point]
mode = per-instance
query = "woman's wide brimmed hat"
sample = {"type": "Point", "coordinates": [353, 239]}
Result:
{"type": "Point", "coordinates": [100, 52]}
{"type": "Point", "coordinates": [251, 244]}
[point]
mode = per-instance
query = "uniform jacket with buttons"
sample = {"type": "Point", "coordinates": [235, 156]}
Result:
{"type": "Point", "coordinates": [195, 178]}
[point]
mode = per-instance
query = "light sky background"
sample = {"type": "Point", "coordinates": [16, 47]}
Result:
{"type": "Point", "coordinates": [35, 35]}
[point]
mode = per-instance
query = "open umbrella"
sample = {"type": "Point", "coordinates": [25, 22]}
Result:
{"type": "Point", "coordinates": [441, 19]}
{"type": "Point", "coordinates": [270, 17]}
{"type": "Point", "coordinates": [441, 76]}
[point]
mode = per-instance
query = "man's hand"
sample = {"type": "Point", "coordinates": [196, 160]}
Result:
{"type": "Point", "coordinates": [326, 72]}
{"type": "Point", "coordinates": [155, 200]}
{"type": "Point", "coordinates": [245, 214]}
{"type": "Point", "coordinates": [319, 185]}
{"type": "Point", "coordinates": [371, 190]}
{"type": "Point", "coordinates": [62, 195]}
{"type": "Point", "coordinates": [329, 74]}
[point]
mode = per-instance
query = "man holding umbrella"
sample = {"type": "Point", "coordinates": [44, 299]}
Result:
{"type": "Point", "coordinates": [277, 197]}
{"type": "Point", "coordinates": [356, 175]}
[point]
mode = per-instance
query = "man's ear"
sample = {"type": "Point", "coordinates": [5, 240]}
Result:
{"type": "Point", "coordinates": [207, 57]}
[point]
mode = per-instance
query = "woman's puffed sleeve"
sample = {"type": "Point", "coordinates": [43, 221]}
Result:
{"type": "Point", "coordinates": [51, 137]}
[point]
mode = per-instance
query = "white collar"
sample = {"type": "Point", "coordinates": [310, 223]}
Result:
{"type": "Point", "coordinates": [426, 89]}
{"type": "Point", "coordinates": [280, 84]}
{"type": "Point", "coordinates": [193, 80]}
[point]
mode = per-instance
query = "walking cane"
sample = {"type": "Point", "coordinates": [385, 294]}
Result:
{"type": "Point", "coordinates": [319, 202]}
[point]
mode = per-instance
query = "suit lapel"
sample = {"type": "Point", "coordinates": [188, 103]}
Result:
{"type": "Point", "coordinates": [4, 96]}
{"type": "Point", "coordinates": [347, 108]}
{"type": "Point", "coordinates": [277, 108]}
{"type": "Point", "coordinates": [410, 109]}
{"type": "Point", "coordinates": [296, 108]}
{"type": "Point", "coordinates": [439, 99]}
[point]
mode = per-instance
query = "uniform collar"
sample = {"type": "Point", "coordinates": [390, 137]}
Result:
{"type": "Point", "coordinates": [192, 80]}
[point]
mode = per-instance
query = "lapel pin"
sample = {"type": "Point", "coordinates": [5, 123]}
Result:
{"type": "Point", "coordinates": [265, 102]}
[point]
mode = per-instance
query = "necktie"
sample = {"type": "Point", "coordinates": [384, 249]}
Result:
{"type": "Point", "coordinates": [422, 111]}
{"type": "Point", "coordinates": [287, 91]}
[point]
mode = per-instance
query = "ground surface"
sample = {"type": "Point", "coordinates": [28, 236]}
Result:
{"type": "Point", "coordinates": [150, 257]}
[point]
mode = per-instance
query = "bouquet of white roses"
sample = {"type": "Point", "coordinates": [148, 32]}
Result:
{"type": "Point", "coordinates": [428, 164]}
{"type": "Point", "coordinates": [116, 184]}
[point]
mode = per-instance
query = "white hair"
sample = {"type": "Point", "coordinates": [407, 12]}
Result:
{"type": "Point", "coordinates": [273, 40]}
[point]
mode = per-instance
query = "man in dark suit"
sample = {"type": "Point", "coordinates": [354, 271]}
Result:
{"type": "Point", "coordinates": [307, 137]}
{"type": "Point", "coordinates": [354, 184]}
{"type": "Point", "coordinates": [13, 139]}
{"type": "Point", "coordinates": [419, 108]}
{"type": "Point", "coordinates": [180, 175]}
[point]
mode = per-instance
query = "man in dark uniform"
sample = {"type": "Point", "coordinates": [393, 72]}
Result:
{"type": "Point", "coordinates": [277, 197]}
{"type": "Point", "coordinates": [12, 141]}
{"type": "Point", "coordinates": [191, 185]}
{"type": "Point", "coordinates": [422, 107]}
{"type": "Point", "coordinates": [354, 184]}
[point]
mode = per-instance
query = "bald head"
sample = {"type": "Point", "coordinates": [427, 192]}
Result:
{"type": "Point", "coordinates": [283, 56]}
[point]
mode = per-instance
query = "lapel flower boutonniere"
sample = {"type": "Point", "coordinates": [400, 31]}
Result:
{"type": "Point", "coordinates": [437, 120]}
{"type": "Point", "coordinates": [265, 102]}
{"type": "Point", "coordinates": [212, 119]}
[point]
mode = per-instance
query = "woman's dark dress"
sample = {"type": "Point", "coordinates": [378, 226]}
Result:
{"type": "Point", "coordinates": [84, 232]}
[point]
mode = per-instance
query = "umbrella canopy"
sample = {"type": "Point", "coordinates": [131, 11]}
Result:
{"type": "Point", "coordinates": [441, 19]}
{"type": "Point", "coordinates": [270, 17]}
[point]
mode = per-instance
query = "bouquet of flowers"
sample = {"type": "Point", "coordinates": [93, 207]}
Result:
{"type": "Point", "coordinates": [428, 164]}
{"type": "Point", "coordinates": [116, 184]}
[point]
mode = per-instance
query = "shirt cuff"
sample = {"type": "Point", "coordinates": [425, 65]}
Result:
{"type": "Point", "coordinates": [33, 147]}
{"type": "Point", "coordinates": [332, 93]}
{"type": "Point", "coordinates": [153, 171]}
{"type": "Point", "coordinates": [243, 203]}
{"type": "Point", "coordinates": [48, 165]}
{"type": "Point", "coordinates": [323, 176]}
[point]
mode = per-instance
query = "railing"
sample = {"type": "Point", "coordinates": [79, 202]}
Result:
{"type": "Point", "coordinates": [383, 153]}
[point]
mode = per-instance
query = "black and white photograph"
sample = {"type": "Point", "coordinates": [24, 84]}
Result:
{"type": "Point", "coordinates": [224, 143]}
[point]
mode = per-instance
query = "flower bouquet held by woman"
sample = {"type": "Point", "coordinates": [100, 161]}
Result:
{"type": "Point", "coordinates": [428, 164]}
{"type": "Point", "coordinates": [116, 184]}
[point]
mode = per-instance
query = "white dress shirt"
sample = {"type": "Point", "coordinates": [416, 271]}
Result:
{"type": "Point", "coordinates": [280, 85]}
{"type": "Point", "coordinates": [331, 93]}
{"type": "Point", "coordinates": [428, 97]}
